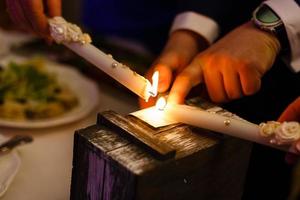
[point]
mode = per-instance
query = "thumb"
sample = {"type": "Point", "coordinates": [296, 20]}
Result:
{"type": "Point", "coordinates": [179, 51]}
{"type": "Point", "coordinates": [292, 112]}
{"type": "Point", "coordinates": [54, 8]}
{"type": "Point", "coordinates": [165, 71]}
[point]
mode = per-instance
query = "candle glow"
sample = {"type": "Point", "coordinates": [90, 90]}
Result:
{"type": "Point", "coordinates": [161, 104]}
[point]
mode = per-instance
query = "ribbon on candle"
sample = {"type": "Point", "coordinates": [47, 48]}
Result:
{"type": "Point", "coordinates": [72, 37]}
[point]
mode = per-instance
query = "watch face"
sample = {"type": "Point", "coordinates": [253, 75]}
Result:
{"type": "Point", "coordinates": [266, 15]}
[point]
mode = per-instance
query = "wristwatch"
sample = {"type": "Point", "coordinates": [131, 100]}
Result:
{"type": "Point", "coordinates": [267, 20]}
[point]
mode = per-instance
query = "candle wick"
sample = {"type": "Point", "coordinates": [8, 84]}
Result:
{"type": "Point", "coordinates": [152, 93]}
{"type": "Point", "coordinates": [161, 109]}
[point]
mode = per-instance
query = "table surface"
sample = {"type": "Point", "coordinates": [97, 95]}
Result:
{"type": "Point", "coordinates": [46, 164]}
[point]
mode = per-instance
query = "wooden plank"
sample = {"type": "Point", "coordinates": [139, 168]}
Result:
{"type": "Point", "coordinates": [120, 183]}
{"type": "Point", "coordinates": [105, 140]}
{"type": "Point", "coordinates": [95, 176]}
{"type": "Point", "coordinates": [187, 140]}
{"type": "Point", "coordinates": [213, 173]}
{"type": "Point", "coordinates": [142, 135]}
{"type": "Point", "coordinates": [136, 159]}
{"type": "Point", "coordinates": [80, 166]}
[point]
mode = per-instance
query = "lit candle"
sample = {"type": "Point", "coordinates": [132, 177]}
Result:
{"type": "Point", "coordinates": [121, 73]}
{"type": "Point", "coordinates": [163, 114]}
{"type": "Point", "coordinates": [72, 37]}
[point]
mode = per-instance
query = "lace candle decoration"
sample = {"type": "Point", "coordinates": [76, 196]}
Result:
{"type": "Point", "coordinates": [72, 37]}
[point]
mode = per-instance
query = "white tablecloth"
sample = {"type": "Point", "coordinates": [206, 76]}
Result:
{"type": "Point", "coordinates": [45, 172]}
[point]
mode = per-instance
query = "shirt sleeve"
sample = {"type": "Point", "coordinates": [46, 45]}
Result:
{"type": "Point", "coordinates": [212, 18]}
{"type": "Point", "coordinates": [289, 13]}
{"type": "Point", "coordinates": [198, 23]}
{"type": "Point", "coordinates": [205, 17]}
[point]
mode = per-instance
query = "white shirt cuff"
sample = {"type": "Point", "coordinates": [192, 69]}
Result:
{"type": "Point", "coordinates": [289, 13]}
{"type": "Point", "coordinates": [204, 26]}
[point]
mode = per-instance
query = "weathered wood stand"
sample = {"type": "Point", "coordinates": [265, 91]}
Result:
{"type": "Point", "coordinates": [125, 158]}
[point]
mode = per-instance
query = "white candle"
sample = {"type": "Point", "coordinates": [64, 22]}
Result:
{"type": "Point", "coordinates": [165, 114]}
{"type": "Point", "coordinates": [121, 73]}
{"type": "Point", "coordinates": [237, 128]}
{"type": "Point", "coordinates": [72, 37]}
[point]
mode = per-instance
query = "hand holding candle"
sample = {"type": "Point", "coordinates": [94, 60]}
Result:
{"type": "Point", "coordinates": [72, 37]}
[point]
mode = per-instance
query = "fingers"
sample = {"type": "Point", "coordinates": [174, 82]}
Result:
{"type": "Point", "coordinates": [170, 61]}
{"type": "Point", "coordinates": [291, 113]}
{"type": "Point", "coordinates": [30, 15]}
{"type": "Point", "coordinates": [165, 77]}
{"type": "Point", "coordinates": [180, 89]}
{"type": "Point", "coordinates": [213, 77]}
{"type": "Point", "coordinates": [250, 79]}
{"type": "Point", "coordinates": [225, 79]}
{"type": "Point", "coordinates": [143, 104]}
{"type": "Point", "coordinates": [179, 51]}
{"type": "Point", "coordinates": [165, 65]}
{"type": "Point", "coordinates": [297, 145]}
{"type": "Point", "coordinates": [215, 86]}
{"type": "Point", "coordinates": [291, 158]}
{"type": "Point", "coordinates": [232, 84]}
{"type": "Point", "coordinates": [54, 8]}
{"type": "Point", "coordinates": [228, 79]}
{"type": "Point", "coordinates": [239, 80]}
{"type": "Point", "coordinates": [16, 14]}
{"type": "Point", "coordinates": [188, 78]}
{"type": "Point", "coordinates": [34, 11]}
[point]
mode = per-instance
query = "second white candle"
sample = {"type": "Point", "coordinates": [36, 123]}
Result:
{"type": "Point", "coordinates": [218, 123]}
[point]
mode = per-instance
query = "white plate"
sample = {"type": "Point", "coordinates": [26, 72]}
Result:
{"type": "Point", "coordinates": [12, 38]}
{"type": "Point", "coordinates": [85, 89]}
{"type": "Point", "coordinates": [9, 166]}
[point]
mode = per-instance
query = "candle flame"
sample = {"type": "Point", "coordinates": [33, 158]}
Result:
{"type": "Point", "coordinates": [155, 78]}
{"type": "Point", "coordinates": [161, 104]}
{"type": "Point", "coordinates": [151, 89]}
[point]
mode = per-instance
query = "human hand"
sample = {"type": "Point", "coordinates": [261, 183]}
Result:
{"type": "Point", "coordinates": [230, 68]}
{"type": "Point", "coordinates": [181, 47]}
{"type": "Point", "coordinates": [292, 113]}
{"type": "Point", "coordinates": [31, 15]}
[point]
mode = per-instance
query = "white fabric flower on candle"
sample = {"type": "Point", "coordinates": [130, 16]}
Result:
{"type": "Point", "coordinates": [268, 129]}
{"type": "Point", "coordinates": [287, 133]}
{"type": "Point", "coordinates": [63, 31]}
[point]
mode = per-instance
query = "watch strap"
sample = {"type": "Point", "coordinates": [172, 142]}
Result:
{"type": "Point", "coordinates": [278, 29]}
{"type": "Point", "coordinates": [281, 34]}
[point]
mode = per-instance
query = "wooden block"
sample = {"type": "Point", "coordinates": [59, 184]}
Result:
{"type": "Point", "coordinates": [109, 166]}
